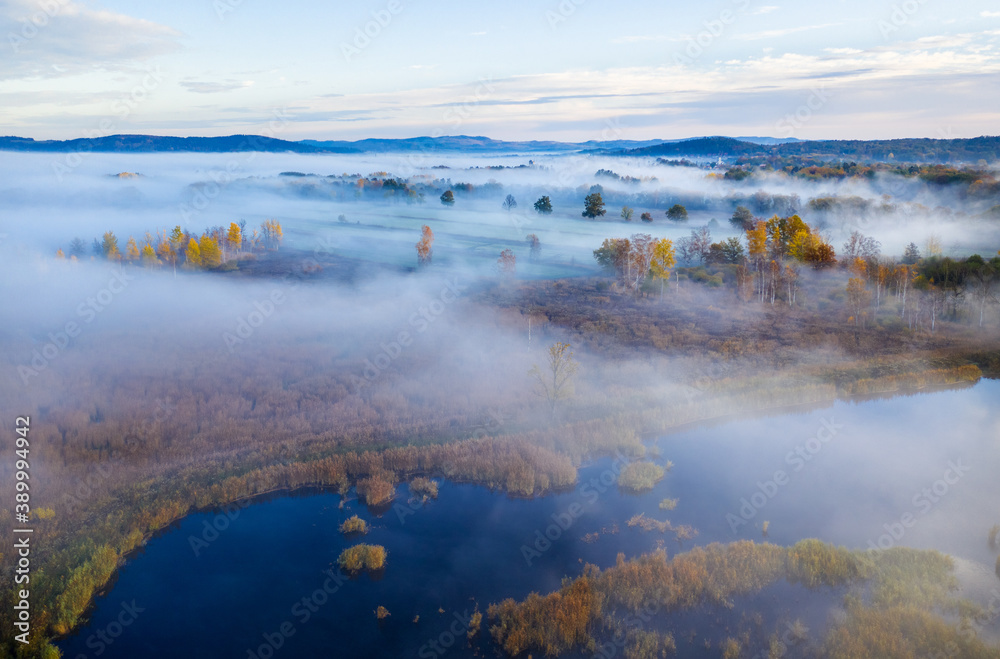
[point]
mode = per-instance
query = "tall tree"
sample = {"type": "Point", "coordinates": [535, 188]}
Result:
{"type": "Point", "coordinates": [627, 213]}
{"type": "Point", "coordinates": [663, 261]}
{"type": "Point", "coordinates": [742, 218]}
{"type": "Point", "coordinates": [131, 250]}
{"type": "Point", "coordinates": [911, 255]}
{"type": "Point", "coordinates": [235, 237]}
{"type": "Point", "coordinates": [77, 248]}
{"type": "Point", "coordinates": [555, 382]}
{"type": "Point", "coordinates": [424, 246]}
{"type": "Point", "coordinates": [509, 203]}
{"type": "Point", "coordinates": [507, 263]}
{"type": "Point", "coordinates": [211, 256]}
{"type": "Point", "coordinates": [593, 205]}
{"type": "Point", "coordinates": [543, 205]}
{"type": "Point", "coordinates": [677, 213]}
{"type": "Point", "coordinates": [192, 255]}
{"type": "Point", "coordinates": [109, 247]}
{"type": "Point", "coordinates": [535, 246]}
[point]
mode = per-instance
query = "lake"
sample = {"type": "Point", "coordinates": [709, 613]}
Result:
{"type": "Point", "coordinates": [260, 581]}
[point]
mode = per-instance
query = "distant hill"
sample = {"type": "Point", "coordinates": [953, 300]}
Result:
{"type": "Point", "coordinates": [902, 150]}
{"type": "Point", "coordinates": [157, 143]}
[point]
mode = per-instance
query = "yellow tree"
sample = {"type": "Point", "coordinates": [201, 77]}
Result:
{"type": "Point", "coordinates": [131, 250]}
{"type": "Point", "coordinates": [424, 254]}
{"type": "Point", "coordinates": [235, 237]}
{"type": "Point", "coordinates": [664, 259]}
{"type": "Point", "coordinates": [109, 246]}
{"type": "Point", "coordinates": [192, 255]}
{"type": "Point", "coordinates": [166, 250]}
{"type": "Point", "coordinates": [149, 256]}
{"type": "Point", "coordinates": [211, 257]}
{"type": "Point", "coordinates": [757, 251]}
{"type": "Point", "coordinates": [59, 254]}
{"type": "Point", "coordinates": [272, 233]}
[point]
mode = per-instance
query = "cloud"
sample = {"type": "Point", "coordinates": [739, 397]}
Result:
{"type": "Point", "coordinates": [990, 14]}
{"type": "Point", "coordinates": [773, 34]}
{"type": "Point", "coordinates": [201, 87]}
{"type": "Point", "coordinates": [55, 39]}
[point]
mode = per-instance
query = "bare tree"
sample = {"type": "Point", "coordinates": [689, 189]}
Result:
{"type": "Point", "coordinates": [555, 383]}
{"type": "Point", "coordinates": [509, 203]}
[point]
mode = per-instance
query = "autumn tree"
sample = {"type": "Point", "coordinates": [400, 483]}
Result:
{"type": "Point", "coordinates": [235, 237]}
{"type": "Point", "coordinates": [627, 213]}
{"type": "Point", "coordinates": [109, 247]}
{"type": "Point", "coordinates": [507, 263]}
{"type": "Point", "coordinates": [211, 256]}
{"type": "Point", "coordinates": [271, 234]}
{"type": "Point", "coordinates": [677, 213]}
{"type": "Point", "coordinates": [663, 261]}
{"type": "Point", "coordinates": [424, 246]}
{"type": "Point", "coordinates": [646, 217]}
{"type": "Point", "coordinates": [131, 250]}
{"type": "Point", "coordinates": [448, 198]}
{"type": "Point", "coordinates": [555, 383]}
{"type": "Point", "coordinates": [192, 255]}
{"type": "Point", "coordinates": [149, 256]}
{"type": "Point", "coordinates": [594, 205]}
{"type": "Point", "coordinates": [509, 203]}
{"type": "Point", "coordinates": [612, 255]}
{"type": "Point", "coordinates": [543, 205]}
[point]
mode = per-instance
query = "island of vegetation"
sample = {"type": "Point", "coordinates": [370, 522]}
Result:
{"type": "Point", "coordinates": [362, 557]}
{"type": "Point", "coordinates": [354, 525]}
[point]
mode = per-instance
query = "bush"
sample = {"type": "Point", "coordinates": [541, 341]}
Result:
{"type": "Point", "coordinates": [640, 476]}
{"type": "Point", "coordinates": [362, 557]}
{"type": "Point", "coordinates": [354, 525]}
{"type": "Point", "coordinates": [424, 487]}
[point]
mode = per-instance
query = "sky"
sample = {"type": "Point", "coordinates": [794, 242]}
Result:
{"type": "Point", "coordinates": [568, 70]}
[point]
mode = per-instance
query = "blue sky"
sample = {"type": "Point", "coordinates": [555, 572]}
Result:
{"type": "Point", "coordinates": [560, 69]}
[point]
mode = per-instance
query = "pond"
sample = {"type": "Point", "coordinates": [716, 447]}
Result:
{"type": "Point", "coordinates": [261, 581]}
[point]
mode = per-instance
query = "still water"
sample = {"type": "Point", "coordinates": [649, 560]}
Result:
{"type": "Point", "coordinates": [260, 581]}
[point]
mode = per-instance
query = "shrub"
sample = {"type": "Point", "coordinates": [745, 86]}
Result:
{"type": "Point", "coordinates": [424, 487]}
{"type": "Point", "coordinates": [354, 525]}
{"type": "Point", "coordinates": [640, 476]}
{"type": "Point", "coordinates": [362, 557]}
